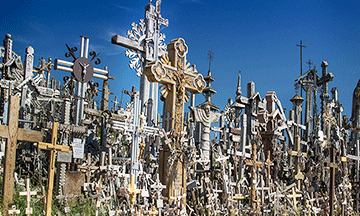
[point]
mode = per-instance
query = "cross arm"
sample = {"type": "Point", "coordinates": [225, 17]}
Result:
{"type": "Point", "coordinates": [49, 146]}
{"type": "Point", "coordinates": [22, 134]}
{"type": "Point", "coordinates": [127, 43]}
{"type": "Point", "coordinates": [4, 131]}
{"type": "Point", "coordinates": [327, 78]}
{"type": "Point", "coordinates": [158, 72]}
{"type": "Point", "coordinates": [29, 135]}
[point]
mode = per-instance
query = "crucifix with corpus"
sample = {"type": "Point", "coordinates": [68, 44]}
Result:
{"type": "Point", "coordinates": [83, 70]}
{"type": "Point", "coordinates": [172, 71]}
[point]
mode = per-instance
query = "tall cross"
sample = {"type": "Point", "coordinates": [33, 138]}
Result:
{"type": "Point", "coordinates": [52, 147]}
{"type": "Point", "coordinates": [83, 71]}
{"type": "Point", "coordinates": [13, 134]}
{"type": "Point", "coordinates": [146, 44]}
{"type": "Point", "coordinates": [301, 46]}
{"type": "Point", "coordinates": [333, 167]}
{"type": "Point", "coordinates": [172, 71]}
{"type": "Point", "coordinates": [28, 193]}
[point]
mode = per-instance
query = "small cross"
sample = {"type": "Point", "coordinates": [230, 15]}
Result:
{"type": "Point", "coordinates": [309, 63]}
{"type": "Point", "coordinates": [167, 120]}
{"type": "Point", "coordinates": [88, 168]}
{"type": "Point", "coordinates": [28, 193]}
{"type": "Point", "coordinates": [211, 56]}
{"type": "Point", "coordinates": [13, 210]}
{"type": "Point", "coordinates": [115, 102]}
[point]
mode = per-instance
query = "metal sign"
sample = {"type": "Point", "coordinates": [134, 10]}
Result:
{"type": "Point", "coordinates": [78, 148]}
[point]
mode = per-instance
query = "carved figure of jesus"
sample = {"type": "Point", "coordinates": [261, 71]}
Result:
{"type": "Point", "coordinates": [205, 117]}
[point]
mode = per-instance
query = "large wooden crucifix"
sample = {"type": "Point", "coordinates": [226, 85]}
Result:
{"type": "Point", "coordinates": [13, 134]}
{"type": "Point", "coordinates": [171, 70]}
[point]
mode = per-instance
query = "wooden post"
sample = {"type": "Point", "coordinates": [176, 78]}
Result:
{"type": "Point", "coordinates": [333, 167]}
{"type": "Point", "coordinates": [12, 133]}
{"type": "Point", "coordinates": [52, 147]}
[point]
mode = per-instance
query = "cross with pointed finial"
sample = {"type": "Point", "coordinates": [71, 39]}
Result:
{"type": "Point", "coordinates": [309, 63]}
{"type": "Point", "coordinates": [211, 56]}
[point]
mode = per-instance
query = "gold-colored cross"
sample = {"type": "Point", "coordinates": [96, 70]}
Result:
{"type": "Point", "coordinates": [172, 71]}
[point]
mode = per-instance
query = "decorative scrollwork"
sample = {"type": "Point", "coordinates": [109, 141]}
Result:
{"type": "Point", "coordinates": [94, 56]}
{"type": "Point", "coordinates": [71, 52]}
{"type": "Point", "coordinates": [138, 34]}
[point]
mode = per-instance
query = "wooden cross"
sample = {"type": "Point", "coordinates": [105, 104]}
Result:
{"type": "Point", "coordinates": [132, 190]}
{"type": "Point", "coordinates": [88, 168]}
{"type": "Point", "coordinates": [99, 188]}
{"type": "Point", "coordinates": [172, 71]}
{"type": "Point", "coordinates": [333, 168]}
{"type": "Point", "coordinates": [28, 193]}
{"type": "Point", "coordinates": [115, 102]}
{"type": "Point", "coordinates": [297, 153]}
{"type": "Point", "coordinates": [255, 164]}
{"type": "Point", "coordinates": [13, 134]}
{"type": "Point", "coordinates": [294, 195]}
{"type": "Point", "coordinates": [52, 147]}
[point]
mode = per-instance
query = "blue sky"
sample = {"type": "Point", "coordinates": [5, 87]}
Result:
{"type": "Point", "coordinates": [257, 37]}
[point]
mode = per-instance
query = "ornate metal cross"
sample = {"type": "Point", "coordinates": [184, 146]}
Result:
{"type": "Point", "coordinates": [83, 70]}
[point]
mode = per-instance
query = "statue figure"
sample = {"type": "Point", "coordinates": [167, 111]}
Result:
{"type": "Point", "coordinates": [205, 116]}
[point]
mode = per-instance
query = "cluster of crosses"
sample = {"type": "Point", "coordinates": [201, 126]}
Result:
{"type": "Point", "coordinates": [60, 147]}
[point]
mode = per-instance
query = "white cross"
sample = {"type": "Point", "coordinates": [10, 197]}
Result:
{"type": "Point", "coordinates": [28, 194]}
{"type": "Point", "coordinates": [13, 210]}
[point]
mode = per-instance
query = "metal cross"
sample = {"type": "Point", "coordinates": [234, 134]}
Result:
{"type": "Point", "coordinates": [100, 74]}
{"type": "Point", "coordinates": [145, 44]}
{"type": "Point", "coordinates": [301, 46]}
{"type": "Point", "coordinates": [211, 56]}
{"type": "Point", "coordinates": [309, 63]}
